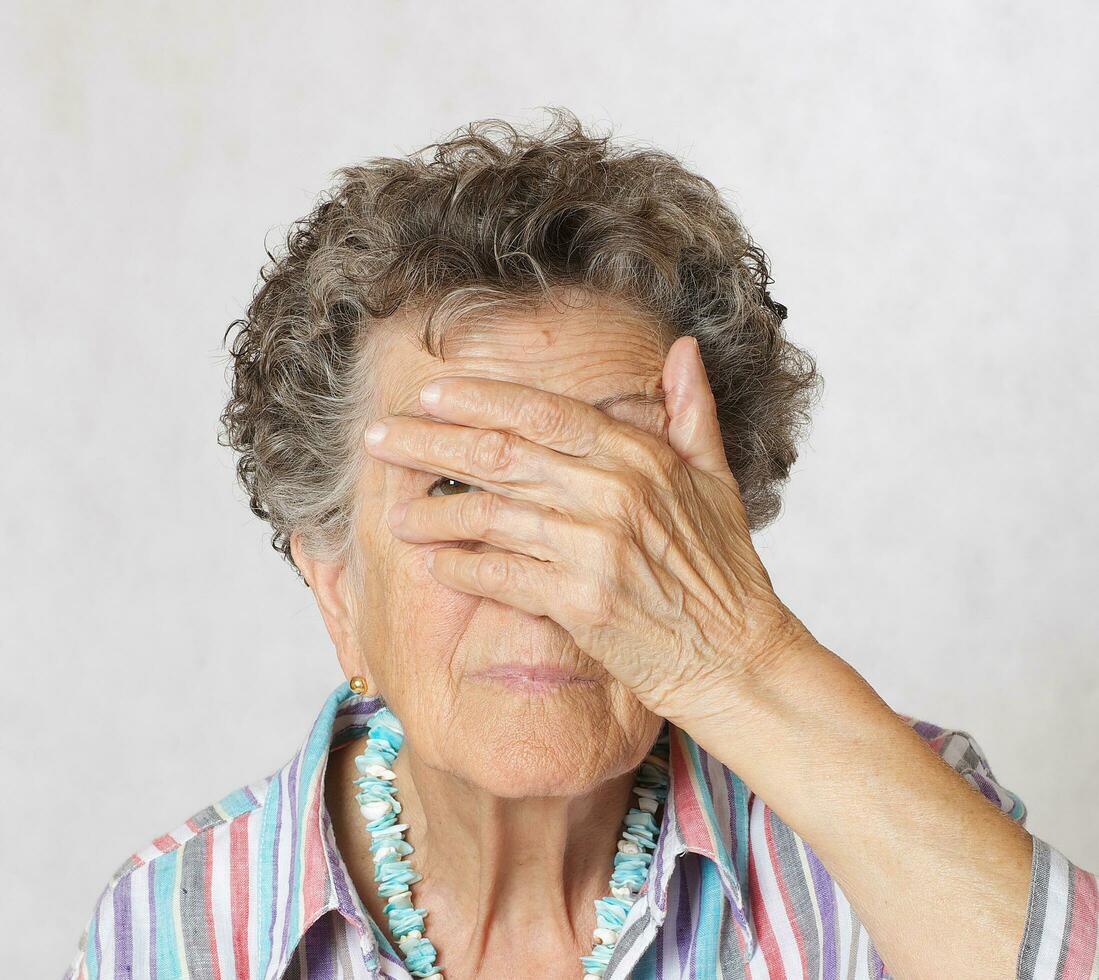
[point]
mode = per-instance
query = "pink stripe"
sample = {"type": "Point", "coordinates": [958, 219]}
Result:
{"type": "Point", "coordinates": [314, 865]}
{"type": "Point", "coordinates": [208, 907]}
{"type": "Point", "coordinates": [688, 810]}
{"type": "Point", "coordinates": [776, 866]}
{"type": "Point", "coordinates": [166, 843]}
{"type": "Point", "coordinates": [238, 892]}
{"type": "Point", "coordinates": [1084, 918]}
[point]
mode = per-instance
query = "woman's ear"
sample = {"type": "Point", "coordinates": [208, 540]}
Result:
{"type": "Point", "coordinates": [326, 580]}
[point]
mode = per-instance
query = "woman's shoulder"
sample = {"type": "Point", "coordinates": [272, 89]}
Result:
{"type": "Point", "coordinates": [212, 820]}
{"type": "Point", "coordinates": [167, 856]}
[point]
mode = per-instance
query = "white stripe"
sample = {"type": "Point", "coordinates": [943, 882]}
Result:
{"type": "Point", "coordinates": [1053, 925]}
{"type": "Point", "coordinates": [722, 804]}
{"type": "Point", "coordinates": [862, 954]}
{"type": "Point", "coordinates": [255, 822]}
{"type": "Point", "coordinates": [843, 932]}
{"type": "Point", "coordinates": [769, 892]}
{"type": "Point", "coordinates": [106, 935]}
{"type": "Point", "coordinates": [281, 885]}
{"type": "Point", "coordinates": [140, 883]}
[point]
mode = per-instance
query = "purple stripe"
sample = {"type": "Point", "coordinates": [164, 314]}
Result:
{"type": "Point", "coordinates": [665, 842]}
{"type": "Point", "coordinates": [928, 731]}
{"type": "Point", "coordinates": [339, 879]}
{"type": "Point", "coordinates": [658, 957]}
{"type": "Point", "coordinates": [683, 937]}
{"type": "Point", "coordinates": [826, 899]}
{"type": "Point", "coordinates": [123, 928]}
{"type": "Point", "coordinates": [877, 967]}
{"type": "Point", "coordinates": [320, 949]}
{"type": "Point", "coordinates": [986, 788]}
{"type": "Point", "coordinates": [366, 707]}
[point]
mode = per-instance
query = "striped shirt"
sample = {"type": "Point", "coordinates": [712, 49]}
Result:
{"type": "Point", "coordinates": [253, 887]}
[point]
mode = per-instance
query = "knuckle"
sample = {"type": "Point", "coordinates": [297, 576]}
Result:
{"type": "Point", "coordinates": [600, 605]}
{"type": "Point", "coordinates": [660, 459]}
{"type": "Point", "coordinates": [488, 510]}
{"type": "Point", "coordinates": [544, 418]}
{"type": "Point", "coordinates": [468, 514]}
{"type": "Point", "coordinates": [610, 546]}
{"type": "Point", "coordinates": [629, 490]}
{"type": "Point", "coordinates": [491, 451]}
{"type": "Point", "coordinates": [493, 572]}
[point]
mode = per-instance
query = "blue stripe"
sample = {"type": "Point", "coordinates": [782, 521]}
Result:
{"type": "Point", "coordinates": [163, 872]}
{"type": "Point", "coordinates": [267, 856]}
{"type": "Point", "coordinates": [236, 803]}
{"type": "Point", "coordinates": [712, 907]}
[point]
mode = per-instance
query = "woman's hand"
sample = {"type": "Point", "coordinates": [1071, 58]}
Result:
{"type": "Point", "coordinates": [639, 547]}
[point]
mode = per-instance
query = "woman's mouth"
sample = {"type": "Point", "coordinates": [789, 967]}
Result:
{"type": "Point", "coordinates": [531, 677]}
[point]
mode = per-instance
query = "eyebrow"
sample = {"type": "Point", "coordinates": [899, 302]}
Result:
{"type": "Point", "coordinates": [643, 397]}
{"type": "Point", "coordinates": [636, 397]}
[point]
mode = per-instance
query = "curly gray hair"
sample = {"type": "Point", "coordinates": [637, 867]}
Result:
{"type": "Point", "coordinates": [498, 220]}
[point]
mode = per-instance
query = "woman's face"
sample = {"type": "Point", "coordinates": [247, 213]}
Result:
{"type": "Point", "coordinates": [421, 642]}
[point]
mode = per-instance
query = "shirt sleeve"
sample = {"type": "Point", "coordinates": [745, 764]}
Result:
{"type": "Point", "coordinates": [1062, 920]}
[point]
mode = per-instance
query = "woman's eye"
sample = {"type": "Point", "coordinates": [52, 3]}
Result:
{"type": "Point", "coordinates": [447, 487]}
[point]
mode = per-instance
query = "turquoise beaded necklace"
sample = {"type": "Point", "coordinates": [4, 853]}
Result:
{"type": "Point", "coordinates": [395, 875]}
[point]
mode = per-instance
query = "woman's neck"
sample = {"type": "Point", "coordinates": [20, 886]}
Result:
{"type": "Point", "coordinates": [504, 880]}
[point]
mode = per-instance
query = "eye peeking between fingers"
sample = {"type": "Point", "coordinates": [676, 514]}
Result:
{"type": "Point", "coordinates": [445, 486]}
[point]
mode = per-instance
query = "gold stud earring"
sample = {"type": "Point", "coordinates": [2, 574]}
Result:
{"type": "Point", "coordinates": [358, 684]}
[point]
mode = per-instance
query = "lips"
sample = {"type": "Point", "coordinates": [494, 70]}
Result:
{"type": "Point", "coordinates": [533, 674]}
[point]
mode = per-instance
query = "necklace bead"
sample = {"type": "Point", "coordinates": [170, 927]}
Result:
{"type": "Point", "coordinates": [394, 875]}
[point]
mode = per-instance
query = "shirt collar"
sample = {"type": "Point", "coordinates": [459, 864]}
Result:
{"type": "Point", "coordinates": [706, 813]}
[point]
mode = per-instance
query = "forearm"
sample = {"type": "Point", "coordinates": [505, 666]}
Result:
{"type": "Point", "coordinates": [938, 875]}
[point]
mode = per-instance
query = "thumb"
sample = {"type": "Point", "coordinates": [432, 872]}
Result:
{"type": "Point", "coordinates": [693, 430]}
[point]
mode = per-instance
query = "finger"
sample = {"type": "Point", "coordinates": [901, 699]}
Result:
{"type": "Point", "coordinates": [498, 461]}
{"type": "Point", "coordinates": [693, 429]}
{"type": "Point", "coordinates": [516, 525]}
{"type": "Point", "coordinates": [515, 580]}
{"type": "Point", "coordinates": [546, 418]}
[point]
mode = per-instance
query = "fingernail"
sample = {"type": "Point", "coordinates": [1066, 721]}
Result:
{"type": "Point", "coordinates": [397, 511]}
{"type": "Point", "coordinates": [375, 433]}
{"type": "Point", "coordinates": [429, 393]}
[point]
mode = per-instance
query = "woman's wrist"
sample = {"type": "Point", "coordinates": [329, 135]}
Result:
{"type": "Point", "coordinates": [886, 815]}
{"type": "Point", "coordinates": [776, 718]}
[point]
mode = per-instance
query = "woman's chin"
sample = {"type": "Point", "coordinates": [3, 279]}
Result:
{"type": "Point", "coordinates": [547, 744]}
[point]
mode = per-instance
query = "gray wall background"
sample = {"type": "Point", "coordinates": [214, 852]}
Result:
{"type": "Point", "coordinates": [922, 177]}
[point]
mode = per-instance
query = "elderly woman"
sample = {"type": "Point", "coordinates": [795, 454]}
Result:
{"type": "Point", "coordinates": [580, 735]}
